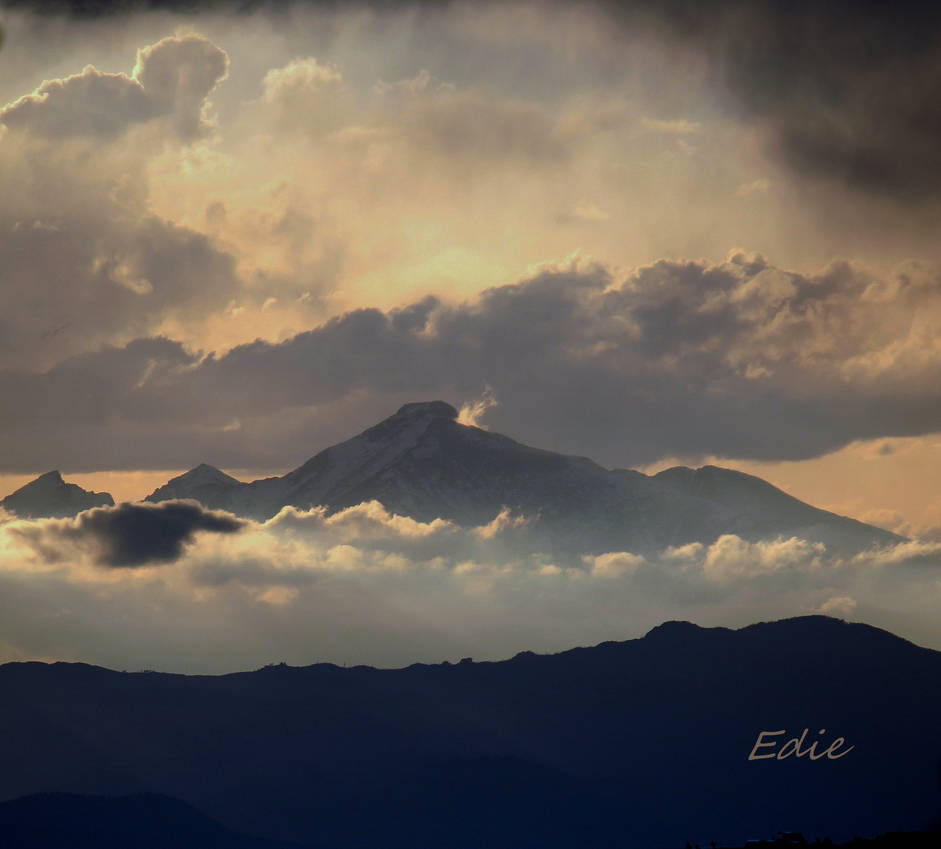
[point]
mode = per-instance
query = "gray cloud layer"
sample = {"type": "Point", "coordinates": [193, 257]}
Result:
{"type": "Point", "coordinates": [739, 359]}
{"type": "Point", "coordinates": [848, 91]}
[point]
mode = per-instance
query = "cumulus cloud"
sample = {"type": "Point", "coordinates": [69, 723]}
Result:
{"type": "Point", "coordinates": [171, 78]}
{"type": "Point", "coordinates": [306, 96]}
{"type": "Point", "coordinates": [128, 535]}
{"type": "Point", "coordinates": [613, 564]}
{"type": "Point", "coordinates": [86, 262]}
{"type": "Point", "coordinates": [730, 557]}
{"type": "Point", "coordinates": [364, 585]}
{"type": "Point", "coordinates": [299, 75]}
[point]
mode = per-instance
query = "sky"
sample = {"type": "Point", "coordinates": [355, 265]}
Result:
{"type": "Point", "coordinates": [648, 233]}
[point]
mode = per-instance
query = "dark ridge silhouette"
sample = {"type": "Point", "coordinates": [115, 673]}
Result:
{"type": "Point", "coordinates": [151, 821]}
{"type": "Point", "coordinates": [49, 496]}
{"type": "Point", "coordinates": [143, 821]}
{"type": "Point", "coordinates": [643, 743]}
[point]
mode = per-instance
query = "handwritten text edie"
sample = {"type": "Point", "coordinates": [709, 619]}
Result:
{"type": "Point", "coordinates": [794, 746]}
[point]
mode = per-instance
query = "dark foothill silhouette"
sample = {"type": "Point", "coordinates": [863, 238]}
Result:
{"type": "Point", "coordinates": [641, 743]}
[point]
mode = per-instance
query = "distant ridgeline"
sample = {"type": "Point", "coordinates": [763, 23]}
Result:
{"type": "Point", "coordinates": [422, 463]}
{"type": "Point", "coordinates": [688, 734]}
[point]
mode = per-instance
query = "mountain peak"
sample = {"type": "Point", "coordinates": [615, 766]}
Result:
{"type": "Point", "coordinates": [419, 462]}
{"type": "Point", "coordinates": [53, 477]}
{"type": "Point", "coordinates": [428, 409]}
{"type": "Point", "coordinates": [206, 473]}
{"type": "Point", "coordinates": [674, 629]}
{"type": "Point", "coordinates": [50, 496]}
{"type": "Point", "coordinates": [196, 483]}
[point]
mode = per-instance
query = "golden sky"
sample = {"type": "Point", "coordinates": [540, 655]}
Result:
{"type": "Point", "coordinates": [212, 225]}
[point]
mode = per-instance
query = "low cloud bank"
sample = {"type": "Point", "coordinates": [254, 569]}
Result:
{"type": "Point", "coordinates": [365, 586]}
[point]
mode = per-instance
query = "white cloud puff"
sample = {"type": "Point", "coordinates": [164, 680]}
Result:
{"type": "Point", "coordinates": [731, 557]}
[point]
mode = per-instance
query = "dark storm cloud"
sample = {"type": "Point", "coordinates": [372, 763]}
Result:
{"type": "Point", "coordinates": [847, 91]}
{"type": "Point", "coordinates": [739, 359]}
{"type": "Point", "coordinates": [129, 535]}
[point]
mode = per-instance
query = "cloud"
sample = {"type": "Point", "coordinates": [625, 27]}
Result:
{"type": "Point", "coordinates": [687, 359]}
{"type": "Point", "coordinates": [128, 535]}
{"type": "Point", "coordinates": [364, 585]}
{"type": "Point", "coordinates": [472, 412]}
{"type": "Point", "coordinates": [730, 557]}
{"type": "Point", "coordinates": [301, 76]}
{"type": "Point", "coordinates": [178, 74]}
{"type": "Point", "coordinates": [843, 92]}
{"type": "Point", "coordinates": [838, 606]}
{"type": "Point", "coordinates": [676, 127]}
{"type": "Point", "coordinates": [759, 186]}
{"type": "Point", "coordinates": [90, 103]}
{"type": "Point", "coordinates": [307, 96]}
{"type": "Point", "coordinates": [171, 78]}
{"type": "Point", "coordinates": [77, 282]}
{"type": "Point", "coordinates": [86, 262]}
{"type": "Point", "coordinates": [466, 124]}
{"type": "Point", "coordinates": [614, 564]}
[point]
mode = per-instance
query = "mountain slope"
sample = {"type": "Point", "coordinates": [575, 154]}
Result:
{"type": "Point", "coordinates": [640, 743]}
{"type": "Point", "coordinates": [144, 821]}
{"type": "Point", "coordinates": [50, 496]}
{"type": "Point", "coordinates": [204, 483]}
{"type": "Point", "coordinates": [422, 463]}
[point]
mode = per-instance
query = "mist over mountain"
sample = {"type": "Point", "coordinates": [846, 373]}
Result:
{"type": "Point", "coordinates": [423, 463]}
{"type": "Point", "coordinates": [639, 743]}
{"type": "Point", "coordinates": [49, 496]}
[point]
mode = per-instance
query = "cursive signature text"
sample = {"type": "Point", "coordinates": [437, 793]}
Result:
{"type": "Point", "coordinates": [794, 745]}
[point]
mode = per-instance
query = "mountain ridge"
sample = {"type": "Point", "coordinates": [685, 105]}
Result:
{"type": "Point", "coordinates": [821, 623]}
{"type": "Point", "coordinates": [422, 462]}
{"type": "Point", "coordinates": [643, 742]}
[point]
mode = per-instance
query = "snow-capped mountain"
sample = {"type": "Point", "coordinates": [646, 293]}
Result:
{"type": "Point", "coordinates": [421, 462]}
{"type": "Point", "coordinates": [50, 496]}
